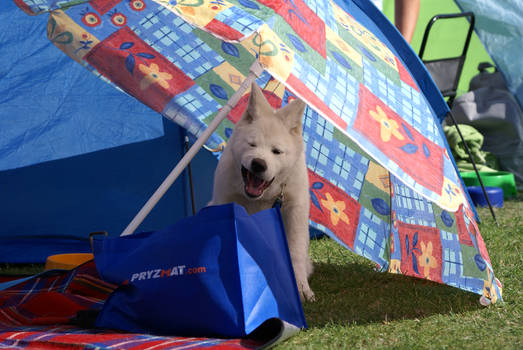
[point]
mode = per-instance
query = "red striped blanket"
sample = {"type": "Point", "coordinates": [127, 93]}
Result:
{"type": "Point", "coordinates": [43, 313]}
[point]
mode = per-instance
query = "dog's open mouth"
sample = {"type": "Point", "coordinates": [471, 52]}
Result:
{"type": "Point", "coordinates": [254, 185]}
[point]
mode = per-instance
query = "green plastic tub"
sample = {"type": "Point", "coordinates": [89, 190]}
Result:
{"type": "Point", "coordinates": [502, 179]}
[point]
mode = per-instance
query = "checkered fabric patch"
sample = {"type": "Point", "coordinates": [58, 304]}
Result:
{"type": "Point", "coordinates": [332, 160]}
{"type": "Point", "coordinates": [240, 20]}
{"type": "Point", "coordinates": [323, 9]}
{"type": "Point", "coordinates": [194, 101]}
{"type": "Point", "coordinates": [174, 37]}
{"type": "Point", "coordinates": [372, 238]}
{"type": "Point", "coordinates": [410, 207]}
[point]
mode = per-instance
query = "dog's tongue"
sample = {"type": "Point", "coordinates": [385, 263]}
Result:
{"type": "Point", "coordinates": [254, 186]}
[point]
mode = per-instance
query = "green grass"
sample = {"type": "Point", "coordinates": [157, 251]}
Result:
{"type": "Point", "coordinates": [20, 269]}
{"type": "Point", "coordinates": [359, 308]}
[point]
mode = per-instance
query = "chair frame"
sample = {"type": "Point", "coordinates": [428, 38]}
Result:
{"type": "Point", "coordinates": [450, 93]}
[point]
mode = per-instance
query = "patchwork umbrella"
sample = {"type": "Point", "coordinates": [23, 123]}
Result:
{"type": "Point", "coordinates": [382, 181]}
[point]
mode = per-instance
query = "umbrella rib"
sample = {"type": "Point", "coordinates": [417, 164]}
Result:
{"type": "Point", "coordinates": [254, 72]}
{"type": "Point", "coordinates": [474, 166]}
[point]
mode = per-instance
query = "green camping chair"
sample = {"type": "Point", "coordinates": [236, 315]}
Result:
{"type": "Point", "coordinates": [446, 72]}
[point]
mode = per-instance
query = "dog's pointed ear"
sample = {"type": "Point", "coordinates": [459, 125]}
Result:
{"type": "Point", "coordinates": [292, 115]}
{"type": "Point", "coordinates": [257, 105]}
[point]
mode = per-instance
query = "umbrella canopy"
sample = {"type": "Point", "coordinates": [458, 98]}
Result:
{"type": "Point", "coordinates": [382, 181]}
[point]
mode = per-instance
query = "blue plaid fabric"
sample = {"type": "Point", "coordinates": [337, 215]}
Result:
{"type": "Point", "coordinates": [240, 20]}
{"type": "Point", "coordinates": [411, 207]}
{"type": "Point", "coordinates": [323, 9]}
{"type": "Point", "coordinates": [452, 272]}
{"type": "Point", "coordinates": [174, 37]}
{"type": "Point", "coordinates": [326, 156]}
{"type": "Point", "coordinates": [194, 101]}
{"type": "Point", "coordinates": [372, 238]}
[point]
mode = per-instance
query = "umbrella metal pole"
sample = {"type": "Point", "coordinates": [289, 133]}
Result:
{"type": "Point", "coordinates": [474, 166]}
{"type": "Point", "coordinates": [189, 172]}
{"type": "Point", "coordinates": [255, 71]}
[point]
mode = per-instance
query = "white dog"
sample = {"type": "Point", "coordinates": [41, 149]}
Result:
{"type": "Point", "coordinates": [264, 160]}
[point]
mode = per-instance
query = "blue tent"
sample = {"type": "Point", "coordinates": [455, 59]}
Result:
{"type": "Point", "coordinates": [499, 26]}
{"type": "Point", "coordinates": [80, 159]}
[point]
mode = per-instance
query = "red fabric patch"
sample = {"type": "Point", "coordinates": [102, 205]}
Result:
{"type": "Point", "coordinates": [86, 338]}
{"type": "Point", "coordinates": [334, 209]}
{"type": "Point", "coordinates": [50, 307]}
{"type": "Point", "coordinates": [306, 94]}
{"type": "Point", "coordinates": [463, 230]}
{"type": "Point", "coordinates": [414, 242]}
{"type": "Point", "coordinates": [405, 75]}
{"type": "Point", "coordinates": [223, 30]}
{"type": "Point", "coordinates": [7, 278]}
{"type": "Point", "coordinates": [468, 233]}
{"type": "Point", "coordinates": [24, 7]}
{"type": "Point", "coordinates": [303, 20]}
{"type": "Point", "coordinates": [414, 153]}
{"type": "Point", "coordinates": [102, 6]}
{"type": "Point", "coordinates": [85, 285]}
{"type": "Point", "coordinates": [236, 113]}
{"type": "Point", "coordinates": [138, 69]}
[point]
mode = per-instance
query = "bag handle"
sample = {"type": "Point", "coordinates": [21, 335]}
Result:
{"type": "Point", "coordinates": [96, 233]}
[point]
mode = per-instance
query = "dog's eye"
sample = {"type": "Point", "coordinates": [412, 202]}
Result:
{"type": "Point", "coordinates": [252, 144]}
{"type": "Point", "coordinates": [276, 151]}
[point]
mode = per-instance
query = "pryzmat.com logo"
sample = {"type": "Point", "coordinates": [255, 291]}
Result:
{"type": "Point", "coordinates": [179, 270]}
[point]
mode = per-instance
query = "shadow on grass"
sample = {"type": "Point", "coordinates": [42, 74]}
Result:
{"type": "Point", "coordinates": [357, 294]}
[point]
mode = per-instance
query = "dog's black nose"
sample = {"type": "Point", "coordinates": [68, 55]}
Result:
{"type": "Point", "coordinates": [258, 165]}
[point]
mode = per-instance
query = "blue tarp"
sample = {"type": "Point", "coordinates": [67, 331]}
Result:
{"type": "Point", "coordinates": [77, 159]}
{"type": "Point", "coordinates": [52, 109]}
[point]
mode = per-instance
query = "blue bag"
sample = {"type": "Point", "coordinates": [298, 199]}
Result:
{"type": "Point", "coordinates": [219, 273]}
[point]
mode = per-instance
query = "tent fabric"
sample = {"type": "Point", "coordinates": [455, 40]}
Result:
{"type": "Point", "coordinates": [201, 84]}
{"type": "Point", "coordinates": [76, 155]}
{"type": "Point", "coordinates": [45, 312]}
{"type": "Point", "coordinates": [60, 120]}
{"type": "Point", "coordinates": [499, 25]}
{"type": "Point", "coordinates": [52, 207]}
{"type": "Point", "coordinates": [209, 90]}
{"type": "Point", "coordinates": [383, 182]}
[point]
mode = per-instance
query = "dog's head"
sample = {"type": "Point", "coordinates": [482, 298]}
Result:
{"type": "Point", "coordinates": [267, 143]}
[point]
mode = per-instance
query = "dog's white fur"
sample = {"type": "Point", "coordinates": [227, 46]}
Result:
{"type": "Point", "coordinates": [272, 139]}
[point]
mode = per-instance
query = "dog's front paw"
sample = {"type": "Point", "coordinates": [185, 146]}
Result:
{"type": "Point", "coordinates": [306, 294]}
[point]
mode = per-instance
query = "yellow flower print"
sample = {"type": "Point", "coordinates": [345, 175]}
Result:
{"type": "Point", "coordinates": [336, 208]}
{"type": "Point", "coordinates": [426, 260]}
{"type": "Point", "coordinates": [153, 75]}
{"type": "Point", "coordinates": [489, 291]}
{"type": "Point", "coordinates": [451, 196]}
{"type": "Point", "coordinates": [388, 126]}
{"type": "Point", "coordinates": [220, 147]}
